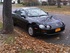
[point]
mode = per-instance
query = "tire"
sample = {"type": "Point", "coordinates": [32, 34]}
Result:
{"type": "Point", "coordinates": [31, 31]}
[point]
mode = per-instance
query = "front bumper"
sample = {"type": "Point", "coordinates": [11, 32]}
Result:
{"type": "Point", "coordinates": [49, 32]}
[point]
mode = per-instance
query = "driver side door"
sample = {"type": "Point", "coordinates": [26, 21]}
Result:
{"type": "Point", "coordinates": [23, 21]}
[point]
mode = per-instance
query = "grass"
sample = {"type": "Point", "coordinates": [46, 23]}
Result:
{"type": "Point", "coordinates": [54, 9]}
{"type": "Point", "coordinates": [9, 40]}
{"type": "Point", "coordinates": [17, 5]}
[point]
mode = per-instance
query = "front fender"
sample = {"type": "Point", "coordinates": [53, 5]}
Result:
{"type": "Point", "coordinates": [33, 24]}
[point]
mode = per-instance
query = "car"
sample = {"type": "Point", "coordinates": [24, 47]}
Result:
{"type": "Point", "coordinates": [36, 21]}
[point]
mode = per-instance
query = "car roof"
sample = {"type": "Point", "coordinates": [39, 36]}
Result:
{"type": "Point", "coordinates": [28, 7]}
{"type": "Point", "coordinates": [24, 8]}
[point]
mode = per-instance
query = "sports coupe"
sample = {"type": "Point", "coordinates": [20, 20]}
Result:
{"type": "Point", "coordinates": [36, 21]}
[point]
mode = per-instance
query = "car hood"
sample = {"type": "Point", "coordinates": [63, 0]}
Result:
{"type": "Point", "coordinates": [46, 20]}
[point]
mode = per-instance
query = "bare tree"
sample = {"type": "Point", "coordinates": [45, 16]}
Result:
{"type": "Point", "coordinates": [59, 3]}
{"type": "Point", "coordinates": [18, 1]}
{"type": "Point", "coordinates": [49, 2]}
{"type": "Point", "coordinates": [7, 17]}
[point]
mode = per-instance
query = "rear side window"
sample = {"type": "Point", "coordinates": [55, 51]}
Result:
{"type": "Point", "coordinates": [18, 12]}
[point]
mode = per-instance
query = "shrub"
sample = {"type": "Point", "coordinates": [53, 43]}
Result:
{"type": "Point", "coordinates": [64, 3]}
{"type": "Point", "coordinates": [30, 3]}
{"type": "Point", "coordinates": [44, 3]}
{"type": "Point", "coordinates": [52, 3]}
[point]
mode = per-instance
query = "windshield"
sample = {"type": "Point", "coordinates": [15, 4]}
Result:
{"type": "Point", "coordinates": [36, 12]}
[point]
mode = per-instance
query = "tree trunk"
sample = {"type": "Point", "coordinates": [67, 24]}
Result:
{"type": "Point", "coordinates": [18, 1]}
{"type": "Point", "coordinates": [59, 3]}
{"type": "Point", "coordinates": [7, 17]}
{"type": "Point", "coordinates": [49, 2]}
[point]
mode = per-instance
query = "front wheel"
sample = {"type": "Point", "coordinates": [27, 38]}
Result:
{"type": "Point", "coordinates": [31, 31]}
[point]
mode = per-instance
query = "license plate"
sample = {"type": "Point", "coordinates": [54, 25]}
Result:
{"type": "Point", "coordinates": [58, 29]}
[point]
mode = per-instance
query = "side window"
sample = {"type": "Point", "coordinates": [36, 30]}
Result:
{"type": "Point", "coordinates": [23, 13]}
{"type": "Point", "coordinates": [19, 12]}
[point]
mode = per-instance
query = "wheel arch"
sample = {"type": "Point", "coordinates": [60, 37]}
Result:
{"type": "Point", "coordinates": [31, 24]}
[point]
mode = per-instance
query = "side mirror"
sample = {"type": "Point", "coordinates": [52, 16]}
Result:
{"type": "Point", "coordinates": [14, 11]}
{"type": "Point", "coordinates": [23, 16]}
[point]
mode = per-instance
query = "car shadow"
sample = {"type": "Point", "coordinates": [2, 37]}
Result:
{"type": "Point", "coordinates": [47, 36]}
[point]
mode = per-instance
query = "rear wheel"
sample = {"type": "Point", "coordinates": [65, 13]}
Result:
{"type": "Point", "coordinates": [31, 31]}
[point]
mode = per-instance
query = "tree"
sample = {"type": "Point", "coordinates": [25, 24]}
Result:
{"type": "Point", "coordinates": [18, 1]}
{"type": "Point", "coordinates": [59, 3]}
{"type": "Point", "coordinates": [7, 17]}
{"type": "Point", "coordinates": [49, 2]}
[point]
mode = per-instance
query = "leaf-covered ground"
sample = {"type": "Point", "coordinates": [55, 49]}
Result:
{"type": "Point", "coordinates": [21, 42]}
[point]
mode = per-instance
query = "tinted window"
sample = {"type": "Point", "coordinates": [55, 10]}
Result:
{"type": "Point", "coordinates": [18, 12]}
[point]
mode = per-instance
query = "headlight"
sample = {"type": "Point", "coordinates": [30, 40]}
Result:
{"type": "Point", "coordinates": [41, 26]}
{"type": "Point", "coordinates": [48, 27]}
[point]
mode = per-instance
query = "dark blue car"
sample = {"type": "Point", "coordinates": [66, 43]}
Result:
{"type": "Point", "coordinates": [37, 21]}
